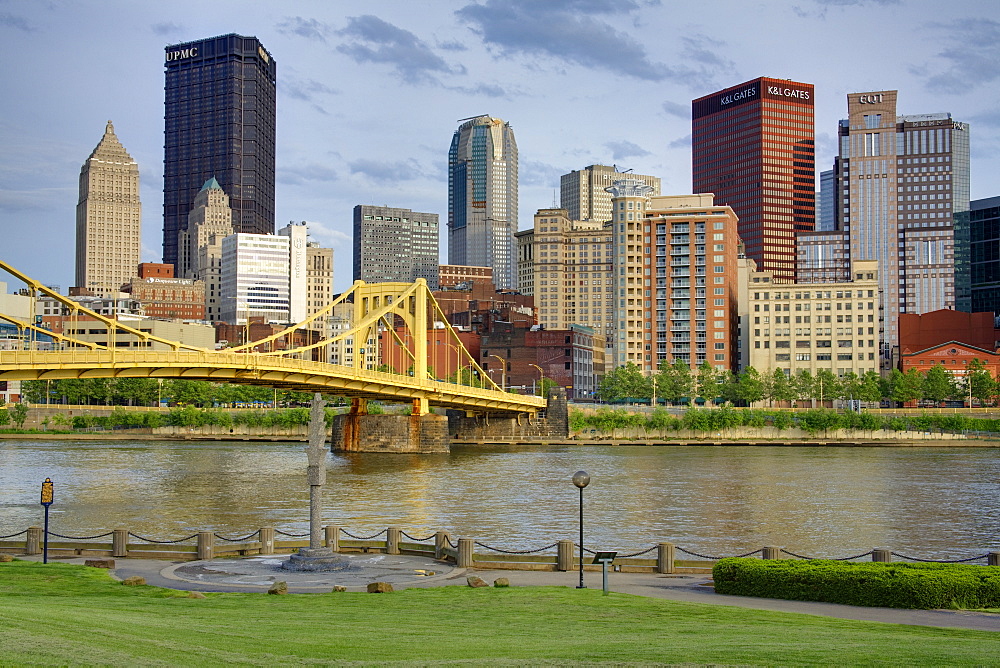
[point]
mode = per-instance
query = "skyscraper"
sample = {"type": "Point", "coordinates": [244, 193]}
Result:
{"type": "Point", "coordinates": [108, 218]}
{"type": "Point", "coordinates": [392, 244]}
{"type": "Point", "coordinates": [219, 122]}
{"type": "Point", "coordinates": [199, 247]}
{"type": "Point", "coordinates": [901, 180]}
{"type": "Point", "coordinates": [583, 192]}
{"type": "Point", "coordinates": [482, 198]}
{"type": "Point", "coordinates": [752, 146]}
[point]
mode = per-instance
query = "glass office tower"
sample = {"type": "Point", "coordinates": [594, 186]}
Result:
{"type": "Point", "coordinates": [219, 122]}
{"type": "Point", "coordinates": [752, 146]}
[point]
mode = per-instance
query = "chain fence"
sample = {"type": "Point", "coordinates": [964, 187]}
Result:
{"type": "Point", "coordinates": [501, 550]}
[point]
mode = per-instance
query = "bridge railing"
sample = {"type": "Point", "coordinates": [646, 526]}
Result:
{"type": "Point", "coordinates": [560, 555]}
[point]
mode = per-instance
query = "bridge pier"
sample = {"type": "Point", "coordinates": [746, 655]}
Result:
{"type": "Point", "coordinates": [555, 424]}
{"type": "Point", "coordinates": [358, 432]}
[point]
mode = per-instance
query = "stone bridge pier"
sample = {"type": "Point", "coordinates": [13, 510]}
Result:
{"type": "Point", "coordinates": [357, 431]}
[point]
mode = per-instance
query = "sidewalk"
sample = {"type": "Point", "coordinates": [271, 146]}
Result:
{"type": "Point", "coordinates": [256, 574]}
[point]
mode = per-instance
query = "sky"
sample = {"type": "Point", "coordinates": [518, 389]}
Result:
{"type": "Point", "coordinates": [369, 94]}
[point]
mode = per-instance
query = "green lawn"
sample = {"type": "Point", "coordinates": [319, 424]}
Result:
{"type": "Point", "coordinates": [63, 614]}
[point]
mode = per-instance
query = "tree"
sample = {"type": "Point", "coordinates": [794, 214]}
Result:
{"type": "Point", "coordinates": [4, 417]}
{"type": "Point", "coordinates": [624, 382]}
{"type": "Point", "coordinates": [729, 387]}
{"type": "Point", "coordinates": [189, 392]}
{"type": "Point", "coordinates": [708, 383]}
{"type": "Point", "coordinates": [907, 386]}
{"type": "Point", "coordinates": [751, 386]}
{"type": "Point", "coordinates": [980, 383]}
{"type": "Point", "coordinates": [802, 385]}
{"type": "Point", "coordinates": [827, 385]}
{"type": "Point", "coordinates": [871, 389]}
{"type": "Point", "coordinates": [780, 387]}
{"type": "Point", "coordinates": [938, 384]}
{"type": "Point", "coordinates": [134, 391]}
{"type": "Point", "coordinates": [18, 414]}
{"type": "Point", "coordinates": [850, 386]}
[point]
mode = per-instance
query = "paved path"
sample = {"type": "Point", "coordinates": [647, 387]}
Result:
{"type": "Point", "coordinates": [258, 573]}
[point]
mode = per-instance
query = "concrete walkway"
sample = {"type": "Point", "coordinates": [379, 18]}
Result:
{"type": "Point", "coordinates": [257, 574]}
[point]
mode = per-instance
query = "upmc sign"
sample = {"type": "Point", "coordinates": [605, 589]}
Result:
{"type": "Point", "coordinates": [181, 54]}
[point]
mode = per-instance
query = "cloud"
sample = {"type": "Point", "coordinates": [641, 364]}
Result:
{"type": "Point", "coordinates": [971, 59]}
{"type": "Point", "coordinates": [332, 236]}
{"type": "Point", "coordinates": [536, 173]}
{"type": "Point", "coordinates": [681, 142]}
{"type": "Point", "coordinates": [305, 89]}
{"type": "Point", "coordinates": [568, 30]}
{"type": "Point", "coordinates": [166, 28]}
{"type": "Point", "coordinates": [308, 28]}
{"type": "Point", "coordinates": [452, 46]}
{"type": "Point", "coordinates": [486, 90]}
{"type": "Point", "coordinates": [376, 41]}
{"type": "Point", "coordinates": [387, 172]}
{"type": "Point", "coordinates": [678, 110]}
{"type": "Point", "coordinates": [625, 149]}
{"type": "Point", "coordinates": [304, 174]}
{"type": "Point", "coordinates": [16, 22]}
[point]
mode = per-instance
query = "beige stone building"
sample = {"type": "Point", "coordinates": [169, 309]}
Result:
{"type": "Point", "coordinates": [812, 326]}
{"type": "Point", "coordinates": [108, 218]}
{"type": "Point", "coordinates": [524, 242]}
{"type": "Point", "coordinates": [583, 193]}
{"type": "Point", "coordinates": [199, 245]}
{"type": "Point", "coordinates": [675, 271]}
{"type": "Point", "coordinates": [200, 335]}
{"type": "Point", "coordinates": [572, 279]}
{"type": "Point", "coordinates": [319, 283]}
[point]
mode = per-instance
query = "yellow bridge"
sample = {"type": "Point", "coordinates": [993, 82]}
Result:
{"type": "Point", "coordinates": [402, 311]}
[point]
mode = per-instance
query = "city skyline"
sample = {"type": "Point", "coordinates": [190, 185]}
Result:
{"type": "Point", "coordinates": [459, 60]}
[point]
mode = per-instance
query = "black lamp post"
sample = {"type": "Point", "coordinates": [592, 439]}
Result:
{"type": "Point", "coordinates": [581, 479]}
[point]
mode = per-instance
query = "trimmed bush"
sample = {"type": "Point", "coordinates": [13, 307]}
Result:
{"type": "Point", "coordinates": [884, 585]}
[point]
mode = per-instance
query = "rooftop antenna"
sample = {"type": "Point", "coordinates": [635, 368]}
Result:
{"type": "Point", "coordinates": [555, 202]}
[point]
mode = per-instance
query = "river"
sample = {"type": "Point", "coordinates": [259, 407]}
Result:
{"type": "Point", "coordinates": [926, 502]}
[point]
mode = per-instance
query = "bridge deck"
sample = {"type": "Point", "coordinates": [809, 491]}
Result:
{"type": "Point", "coordinates": [252, 369]}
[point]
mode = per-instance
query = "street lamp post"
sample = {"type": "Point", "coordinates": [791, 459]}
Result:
{"type": "Point", "coordinates": [581, 479]}
{"type": "Point", "coordinates": [503, 372]}
{"type": "Point", "coordinates": [541, 380]}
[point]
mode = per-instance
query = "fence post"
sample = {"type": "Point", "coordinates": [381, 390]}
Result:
{"type": "Point", "coordinates": [392, 537]}
{"type": "Point", "coordinates": [266, 540]}
{"type": "Point", "coordinates": [465, 546]}
{"type": "Point", "coordinates": [771, 553]}
{"type": "Point", "coordinates": [332, 537]}
{"type": "Point", "coordinates": [206, 545]}
{"type": "Point", "coordinates": [119, 543]}
{"type": "Point", "coordinates": [442, 541]}
{"type": "Point", "coordinates": [33, 541]}
{"type": "Point", "coordinates": [882, 555]}
{"type": "Point", "coordinates": [564, 559]}
{"type": "Point", "coordinates": [993, 559]}
{"type": "Point", "coordinates": [665, 558]}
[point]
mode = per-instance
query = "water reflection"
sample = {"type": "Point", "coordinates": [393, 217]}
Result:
{"type": "Point", "coordinates": [928, 502]}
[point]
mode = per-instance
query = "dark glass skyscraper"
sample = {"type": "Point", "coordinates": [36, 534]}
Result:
{"type": "Point", "coordinates": [752, 146]}
{"type": "Point", "coordinates": [219, 122]}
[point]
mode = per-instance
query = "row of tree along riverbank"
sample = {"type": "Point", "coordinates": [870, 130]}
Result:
{"type": "Point", "coordinates": [677, 382]}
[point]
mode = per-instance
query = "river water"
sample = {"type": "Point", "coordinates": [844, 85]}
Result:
{"type": "Point", "coordinates": [939, 503]}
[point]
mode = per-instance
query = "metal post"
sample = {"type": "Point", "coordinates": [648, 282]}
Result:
{"type": "Point", "coordinates": [604, 575]}
{"type": "Point", "coordinates": [45, 538]}
{"type": "Point", "coordinates": [581, 585]}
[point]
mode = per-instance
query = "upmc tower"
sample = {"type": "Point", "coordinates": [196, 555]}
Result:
{"type": "Point", "coordinates": [752, 145]}
{"type": "Point", "coordinates": [220, 117]}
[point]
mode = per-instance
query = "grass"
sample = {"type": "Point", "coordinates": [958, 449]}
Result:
{"type": "Point", "coordinates": [61, 614]}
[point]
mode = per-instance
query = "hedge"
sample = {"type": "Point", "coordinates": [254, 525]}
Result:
{"type": "Point", "coordinates": [872, 584]}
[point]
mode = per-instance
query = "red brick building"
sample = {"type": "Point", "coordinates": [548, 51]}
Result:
{"type": "Point", "coordinates": [919, 332]}
{"type": "Point", "coordinates": [229, 335]}
{"type": "Point", "coordinates": [443, 356]}
{"type": "Point", "coordinates": [164, 296]}
{"type": "Point", "coordinates": [565, 356]}
{"type": "Point", "coordinates": [955, 357]}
